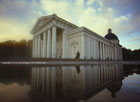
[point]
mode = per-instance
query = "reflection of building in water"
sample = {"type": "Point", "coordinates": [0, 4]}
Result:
{"type": "Point", "coordinates": [93, 77]}
{"type": "Point", "coordinates": [89, 79]}
{"type": "Point", "coordinates": [115, 87]}
{"type": "Point", "coordinates": [55, 37]}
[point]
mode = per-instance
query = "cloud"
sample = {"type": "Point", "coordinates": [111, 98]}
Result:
{"type": "Point", "coordinates": [17, 19]}
{"type": "Point", "coordinates": [88, 16]}
{"type": "Point", "coordinates": [19, 16]}
{"type": "Point", "coordinates": [90, 2]}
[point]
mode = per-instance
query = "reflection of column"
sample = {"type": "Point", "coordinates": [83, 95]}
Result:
{"type": "Point", "coordinates": [34, 75]}
{"type": "Point", "coordinates": [43, 76]}
{"type": "Point", "coordinates": [98, 75]}
{"type": "Point", "coordinates": [48, 79]}
{"type": "Point", "coordinates": [48, 43]}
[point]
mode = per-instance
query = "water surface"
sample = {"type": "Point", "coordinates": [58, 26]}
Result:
{"type": "Point", "coordinates": [15, 86]}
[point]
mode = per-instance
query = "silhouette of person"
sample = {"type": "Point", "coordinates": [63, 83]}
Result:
{"type": "Point", "coordinates": [77, 55]}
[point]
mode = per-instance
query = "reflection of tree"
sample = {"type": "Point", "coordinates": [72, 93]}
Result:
{"type": "Point", "coordinates": [19, 74]}
{"type": "Point", "coordinates": [130, 69]}
{"type": "Point", "coordinates": [115, 87]}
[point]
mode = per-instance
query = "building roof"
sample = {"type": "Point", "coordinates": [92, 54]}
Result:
{"type": "Point", "coordinates": [110, 35]}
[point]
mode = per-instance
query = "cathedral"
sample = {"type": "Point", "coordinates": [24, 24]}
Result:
{"type": "Point", "coordinates": [54, 37]}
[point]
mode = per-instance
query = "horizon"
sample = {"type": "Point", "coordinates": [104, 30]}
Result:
{"type": "Point", "coordinates": [18, 17]}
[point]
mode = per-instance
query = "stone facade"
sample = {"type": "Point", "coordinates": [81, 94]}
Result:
{"type": "Point", "coordinates": [53, 37]}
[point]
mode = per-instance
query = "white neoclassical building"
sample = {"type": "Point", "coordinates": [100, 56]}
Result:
{"type": "Point", "coordinates": [54, 37]}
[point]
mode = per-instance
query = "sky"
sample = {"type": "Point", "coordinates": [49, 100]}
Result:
{"type": "Point", "coordinates": [17, 17]}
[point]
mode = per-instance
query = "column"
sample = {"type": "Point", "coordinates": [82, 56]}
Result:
{"type": "Point", "coordinates": [108, 51]}
{"type": "Point", "coordinates": [33, 46]}
{"type": "Point", "coordinates": [64, 44]}
{"type": "Point", "coordinates": [44, 44]}
{"type": "Point", "coordinates": [101, 51]}
{"type": "Point", "coordinates": [83, 46]}
{"type": "Point", "coordinates": [35, 52]}
{"type": "Point", "coordinates": [105, 52]}
{"type": "Point", "coordinates": [54, 42]}
{"type": "Point", "coordinates": [38, 41]}
{"type": "Point", "coordinates": [112, 53]}
{"type": "Point", "coordinates": [97, 49]}
{"type": "Point", "coordinates": [48, 43]}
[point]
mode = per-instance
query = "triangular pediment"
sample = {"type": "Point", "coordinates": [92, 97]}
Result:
{"type": "Point", "coordinates": [44, 19]}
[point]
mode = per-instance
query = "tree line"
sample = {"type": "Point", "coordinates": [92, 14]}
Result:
{"type": "Point", "coordinates": [23, 48]}
{"type": "Point", "coordinates": [12, 48]}
{"type": "Point", "coordinates": [131, 55]}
